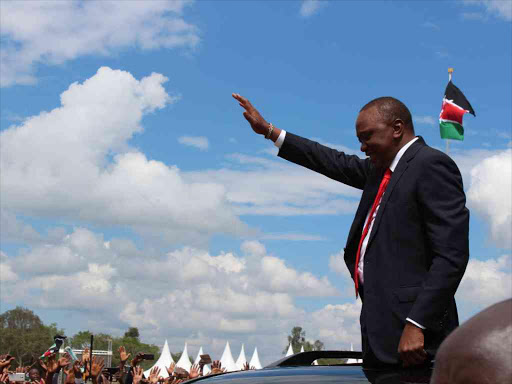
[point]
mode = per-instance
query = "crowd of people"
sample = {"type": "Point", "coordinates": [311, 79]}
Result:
{"type": "Point", "coordinates": [46, 371]}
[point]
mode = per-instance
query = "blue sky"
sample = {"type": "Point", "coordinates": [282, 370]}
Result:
{"type": "Point", "coordinates": [130, 175]}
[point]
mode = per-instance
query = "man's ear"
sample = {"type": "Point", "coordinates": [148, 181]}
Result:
{"type": "Point", "coordinates": [398, 128]}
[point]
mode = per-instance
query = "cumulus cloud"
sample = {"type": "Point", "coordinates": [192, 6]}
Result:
{"type": "Point", "coordinates": [78, 164]}
{"type": "Point", "coordinates": [7, 275]}
{"type": "Point", "coordinates": [53, 32]}
{"type": "Point", "coordinates": [490, 195]}
{"type": "Point", "coordinates": [309, 7]}
{"type": "Point", "coordinates": [14, 230]}
{"type": "Point", "coordinates": [498, 8]}
{"type": "Point", "coordinates": [486, 282]}
{"type": "Point", "coordinates": [337, 325]}
{"type": "Point", "coordinates": [338, 266]}
{"type": "Point", "coordinates": [466, 160]}
{"type": "Point", "coordinates": [275, 187]}
{"type": "Point", "coordinates": [281, 278]}
{"type": "Point", "coordinates": [251, 296]}
{"type": "Point", "coordinates": [199, 142]}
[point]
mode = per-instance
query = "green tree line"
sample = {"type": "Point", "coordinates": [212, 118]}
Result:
{"type": "Point", "coordinates": [24, 336]}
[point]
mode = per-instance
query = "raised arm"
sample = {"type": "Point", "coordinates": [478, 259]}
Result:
{"type": "Point", "coordinates": [348, 169]}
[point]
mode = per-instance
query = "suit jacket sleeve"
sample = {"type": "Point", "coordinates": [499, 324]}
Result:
{"type": "Point", "coordinates": [348, 169]}
{"type": "Point", "coordinates": [443, 203]}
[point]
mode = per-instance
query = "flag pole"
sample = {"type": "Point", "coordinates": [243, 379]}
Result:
{"type": "Point", "coordinates": [450, 71]}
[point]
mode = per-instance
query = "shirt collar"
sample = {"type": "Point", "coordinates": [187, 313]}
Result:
{"type": "Point", "coordinates": [400, 153]}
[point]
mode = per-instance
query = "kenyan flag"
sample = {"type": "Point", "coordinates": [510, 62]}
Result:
{"type": "Point", "coordinates": [455, 105]}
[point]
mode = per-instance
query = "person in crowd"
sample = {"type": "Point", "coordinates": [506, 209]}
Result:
{"type": "Point", "coordinates": [479, 351]}
{"type": "Point", "coordinates": [52, 365]}
{"type": "Point", "coordinates": [35, 376]}
{"type": "Point", "coordinates": [408, 246]}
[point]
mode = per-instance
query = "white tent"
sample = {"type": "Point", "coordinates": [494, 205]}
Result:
{"type": "Point", "coordinates": [255, 360]}
{"type": "Point", "coordinates": [163, 362]}
{"type": "Point", "coordinates": [196, 361]}
{"type": "Point", "coordinates": [289, 352]}
{"type": "Point", "coordinates": [301, 349]}
{"type": "Point", "coordinates": [241, 361]}
{"type": "Point", "coordinates": [206, 368]}
{"type": "Point", "coordinates": [184, 361]}
{"type": "Point", "coordinates": [227, 359]}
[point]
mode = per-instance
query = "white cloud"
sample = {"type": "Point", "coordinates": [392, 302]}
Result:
{"type": "Point", "coordinates": [79, 165]}
{"type": "Point", "coordinates": [427, 120]}
{"type": "Point", "coordinates": [199, 142]}
{"type": "Point", "coordinates": [499, 8]}
{"type": "Point", "coordinates": [253, 247]}
{"type": "Point", "coordinates": [278, 188]}
{"type": "Point", "coordinates": [310, 7]}
{"type": "Point", "coordinates": [53, 32]}
{"type": "Point", "coordinates": [492, 202]}
{"type": "Point", "coordinates": [486, 282]}
{"type": "Point", "coordinates": [7, 275]}
{"type": "Point", "coordinates": [338, 266]}
{"type": "Point", "coordinates": [64, 157]}
{"type": "Point", "coordinates": [281, 278]}
{"type": "Point", "coordinates": [181, 295]}
{"type": "Point", "coordinates": [337, 325]}
{"type": "Point", "coordinates": [466, 160]}
{"type": "Point", "coordinates": [14, 230]}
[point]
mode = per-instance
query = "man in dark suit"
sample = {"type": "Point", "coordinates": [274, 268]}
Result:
{"type": "Point", "coordinates": [407, 249]}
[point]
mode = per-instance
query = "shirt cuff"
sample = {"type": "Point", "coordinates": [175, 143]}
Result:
{"type": "Point", "coordinates": [280, 139]}
{"type": "Point", "coordinates": [415, 323]}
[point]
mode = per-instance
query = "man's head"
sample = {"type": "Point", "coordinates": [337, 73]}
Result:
{"type": "Point", "coordinates": [383, 126]}
{"type": "Point", "coordinates": [479, 351]}
{"type": "Point", "coordinates": [34, 375]}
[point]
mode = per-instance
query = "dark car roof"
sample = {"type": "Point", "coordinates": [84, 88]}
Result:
{"type": "Point", "coordinates": [299, 375]}
{"type": "Point", "coordinates": [319, 375]}
{"type": "Point", "coordinates": [297, 369]}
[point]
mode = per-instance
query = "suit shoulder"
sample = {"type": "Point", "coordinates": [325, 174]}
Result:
{"type": "Point", "coordinates": [431, 160]}
{"type": "Point", "coordinates": [432, 155]}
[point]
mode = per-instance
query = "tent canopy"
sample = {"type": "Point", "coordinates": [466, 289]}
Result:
{"type": "Point", "coordinates": [163, 362]}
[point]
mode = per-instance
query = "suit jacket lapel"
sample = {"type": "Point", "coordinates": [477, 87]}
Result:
{"type": "Point", "coordinates": [395, 178]}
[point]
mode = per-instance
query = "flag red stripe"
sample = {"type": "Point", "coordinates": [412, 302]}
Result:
{"type": "Point", "coordinates": [452, 112]}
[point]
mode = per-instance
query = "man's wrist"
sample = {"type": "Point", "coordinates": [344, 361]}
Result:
{"type": "Point", "coordinates": [275, 134]}
{"type": "Point", "coordinates": [411, 321]}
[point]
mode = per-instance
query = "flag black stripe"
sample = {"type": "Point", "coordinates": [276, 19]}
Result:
{"type": "Point", "coordinates": [455, 94]}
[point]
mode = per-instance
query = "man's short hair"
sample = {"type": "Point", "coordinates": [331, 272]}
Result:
{"type": "Point", "coordinates": [391, 109]}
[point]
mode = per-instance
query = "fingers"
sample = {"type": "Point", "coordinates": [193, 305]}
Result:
{"type": "Point", "coordinates": [242, 101]}
{"type": "Point", "coordinates": [413, 357]}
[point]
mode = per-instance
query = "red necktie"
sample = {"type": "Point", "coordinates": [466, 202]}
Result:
{"type": "Point", "coordinates": [382, 188]}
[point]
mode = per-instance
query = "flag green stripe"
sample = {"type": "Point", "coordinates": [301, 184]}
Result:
{"type": "Point", "coordinates": [450, 130]}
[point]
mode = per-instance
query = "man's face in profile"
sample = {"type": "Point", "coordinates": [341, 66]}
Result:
{"type": "Point", "coordinates": [376, 138]}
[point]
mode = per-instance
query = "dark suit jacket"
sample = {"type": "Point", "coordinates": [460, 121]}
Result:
{"type": "Point", "coordinates": [418, 247]}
